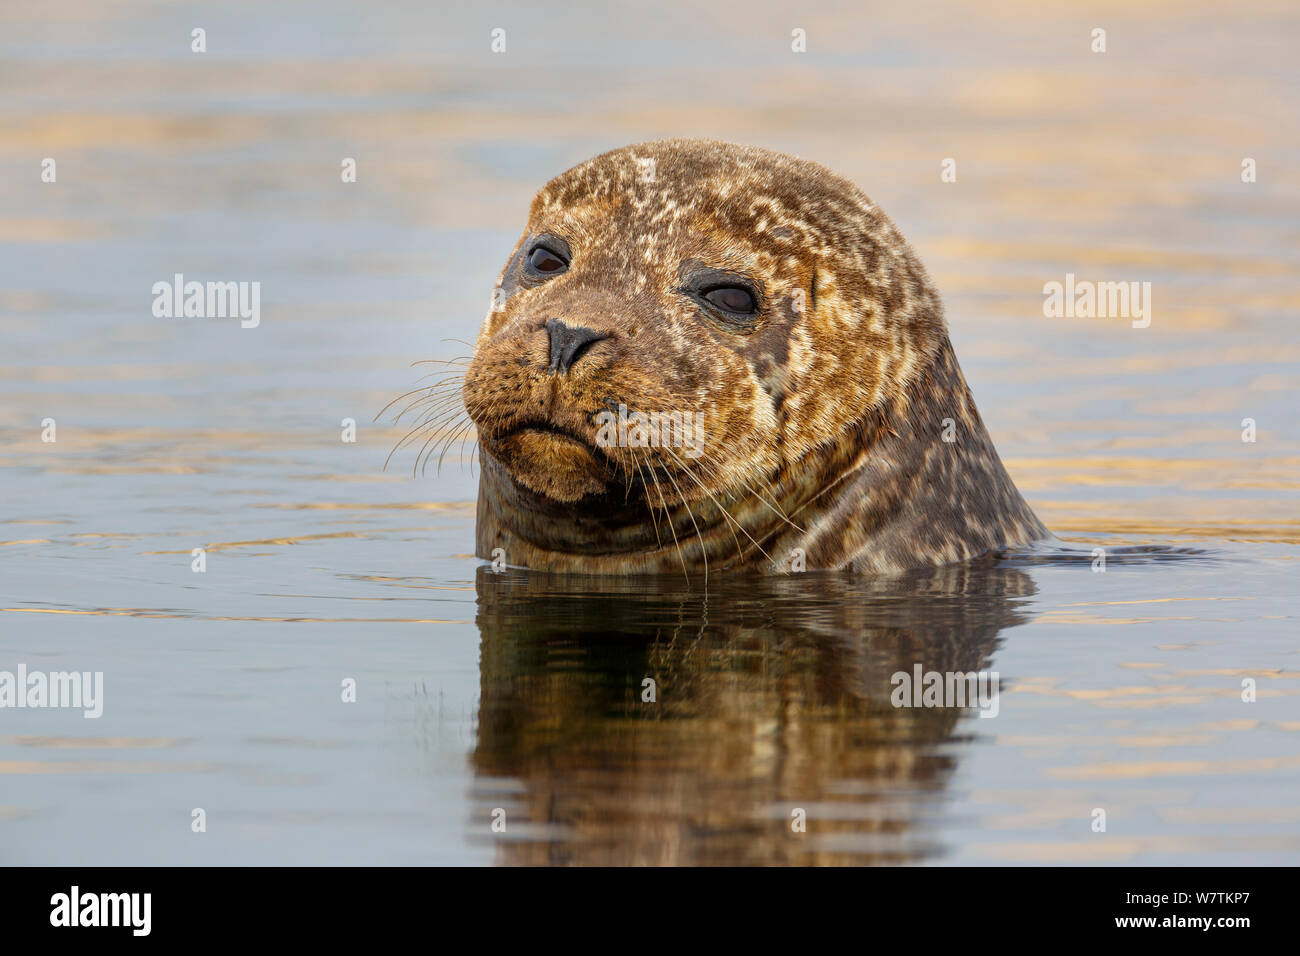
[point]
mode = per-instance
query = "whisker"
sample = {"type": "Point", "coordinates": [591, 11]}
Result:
{"type": "Point", "coordinates": [691, 514]}
{"type": "Point", "coordinates": [671, 527]}
{"type": "Point", "coordinates": [740, 553]}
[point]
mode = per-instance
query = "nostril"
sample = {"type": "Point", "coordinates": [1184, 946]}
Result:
{"type": "Point", "coordinates": [569, 343]}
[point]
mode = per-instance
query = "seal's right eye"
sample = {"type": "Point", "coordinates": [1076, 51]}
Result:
{"type": "Point", "coordinates": [543, 261]}
{"type": "Point", "coordinates": [732, 299]}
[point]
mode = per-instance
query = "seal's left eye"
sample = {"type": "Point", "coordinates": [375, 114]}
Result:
{"type": "Point", "coordinates": [546, 262]}
{"type": "Point", "coordinates": [732, 299]}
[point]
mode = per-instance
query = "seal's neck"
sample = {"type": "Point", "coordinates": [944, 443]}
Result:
{"type": "Point", "coordinates": [921, 485]}
{"type": "Point", "coordinates": [916, 483]}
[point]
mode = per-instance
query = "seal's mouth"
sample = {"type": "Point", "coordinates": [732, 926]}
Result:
{"type": "Point", "coordinates": [552, 459]}
{"type": "Point", "coordinates": [548, 428]}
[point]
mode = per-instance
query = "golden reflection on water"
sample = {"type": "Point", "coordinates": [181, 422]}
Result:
{"type": "Point", "coordinates": [1122, 167]}
{"type": "Point", "coordinates": [161, 614]}
{"type": "Point", "coordinates": [78, 743]}
{"type": "Point", "coordinates": [101, 767]}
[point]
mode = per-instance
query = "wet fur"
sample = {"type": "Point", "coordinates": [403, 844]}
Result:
{"type": "Point", "coordinates": [824, 425]}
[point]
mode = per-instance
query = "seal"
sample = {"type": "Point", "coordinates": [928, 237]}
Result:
{"type": "Point", "coordinates": [709, 356]}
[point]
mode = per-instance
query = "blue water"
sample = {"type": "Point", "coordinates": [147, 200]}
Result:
{"type": "Point", "coordinates": [518, 697]}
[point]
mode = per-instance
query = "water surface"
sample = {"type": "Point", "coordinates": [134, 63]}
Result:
{"type": "Point", "coordinates": [479, 692]}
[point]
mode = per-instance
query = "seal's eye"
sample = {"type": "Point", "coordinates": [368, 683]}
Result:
{"type": "Point", "coordinates": [732, 299]}
{"type": "Point", "coordinates": [546, 262]}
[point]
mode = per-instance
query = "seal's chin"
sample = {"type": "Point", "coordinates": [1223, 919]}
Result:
{"type": "Point", "coordinates": [551, 463]}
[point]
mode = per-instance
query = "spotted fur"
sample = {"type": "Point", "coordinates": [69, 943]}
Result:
{"type": "Point", "coordinates": [824, 418]}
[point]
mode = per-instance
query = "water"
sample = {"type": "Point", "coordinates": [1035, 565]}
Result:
{"type": "Point", "coordinates": [478, 692]}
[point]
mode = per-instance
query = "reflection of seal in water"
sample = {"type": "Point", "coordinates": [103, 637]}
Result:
{"type": "Point", "coordinates": [757, 297]}
{"type": "Point", "coordinates": [770, 693]}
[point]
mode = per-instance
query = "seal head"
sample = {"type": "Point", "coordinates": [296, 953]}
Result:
{"type": "Point", "coordinates": [703, 355]}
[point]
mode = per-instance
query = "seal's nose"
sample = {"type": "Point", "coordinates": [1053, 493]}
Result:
{"type": "Point", "coordinates": [569, 343]}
